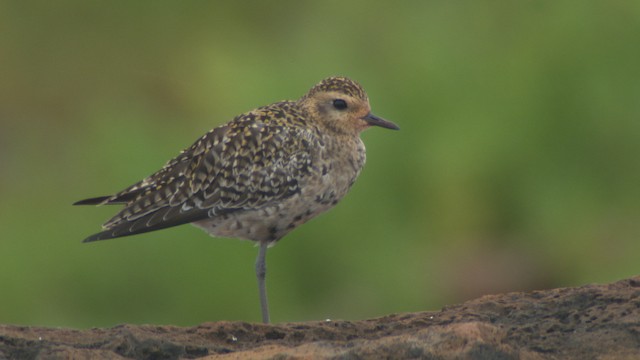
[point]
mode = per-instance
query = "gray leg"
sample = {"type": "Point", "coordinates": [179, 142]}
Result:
{"type": "Point", "coordinates": [261, 272]}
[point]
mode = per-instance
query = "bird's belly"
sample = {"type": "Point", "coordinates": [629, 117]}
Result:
{"type": "Point", "coordinates": [271, 223]}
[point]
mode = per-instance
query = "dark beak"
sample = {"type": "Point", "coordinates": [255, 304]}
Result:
{"type": "Point", "coordinates": [378, 121]}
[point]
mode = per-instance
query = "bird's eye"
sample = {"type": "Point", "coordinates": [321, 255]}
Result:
{"type": "Point", "coordinates": [339, 104]}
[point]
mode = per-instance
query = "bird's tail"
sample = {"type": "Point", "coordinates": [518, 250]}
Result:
{"type": "Point", "coordinates": [100, 200]}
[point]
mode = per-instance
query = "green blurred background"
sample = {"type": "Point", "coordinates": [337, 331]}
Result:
{"type": "Point", "coordinates": [517, 166]}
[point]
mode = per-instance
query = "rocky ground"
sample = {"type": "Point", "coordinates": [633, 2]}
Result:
{"type": "Point", "coordinates": [589, 322]}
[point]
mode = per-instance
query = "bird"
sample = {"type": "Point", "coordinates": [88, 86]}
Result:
{"type": "Point", "coordinates": [257, 177]}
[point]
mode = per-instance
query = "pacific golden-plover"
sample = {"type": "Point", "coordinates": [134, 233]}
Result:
{"type": "Point", "coordinates": [257, 177]}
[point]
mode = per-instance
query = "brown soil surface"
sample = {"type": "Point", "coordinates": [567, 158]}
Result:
{"type": "Point", "coordinates": [589, 322]}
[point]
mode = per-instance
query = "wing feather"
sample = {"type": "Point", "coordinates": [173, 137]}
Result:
{"type": "Point", "coordinates": [255, 160]}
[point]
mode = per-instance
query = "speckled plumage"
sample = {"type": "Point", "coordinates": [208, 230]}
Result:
{"type": "Point", "coordinates": [259, 176]}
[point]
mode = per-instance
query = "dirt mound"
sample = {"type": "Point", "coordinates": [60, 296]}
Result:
{"type": "Point", "coordinates": [594, 321]}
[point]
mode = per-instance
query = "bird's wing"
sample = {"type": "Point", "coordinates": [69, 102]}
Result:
{"type": "Point", "coordinates": [256, 159]}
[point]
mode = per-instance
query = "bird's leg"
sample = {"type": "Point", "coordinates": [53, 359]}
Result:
{"type": "Point", "coordinates": [261, 272]}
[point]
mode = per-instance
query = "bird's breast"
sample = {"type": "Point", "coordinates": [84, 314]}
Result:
{"type": "Point", "coordinates": [334, 169]}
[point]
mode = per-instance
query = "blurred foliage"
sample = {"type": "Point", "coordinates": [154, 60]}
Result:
{"type": "Point", "coordinates": [517, 166]}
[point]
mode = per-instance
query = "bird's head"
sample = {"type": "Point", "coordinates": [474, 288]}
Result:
{"type": "Point", "coordinates": [342, 105]}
